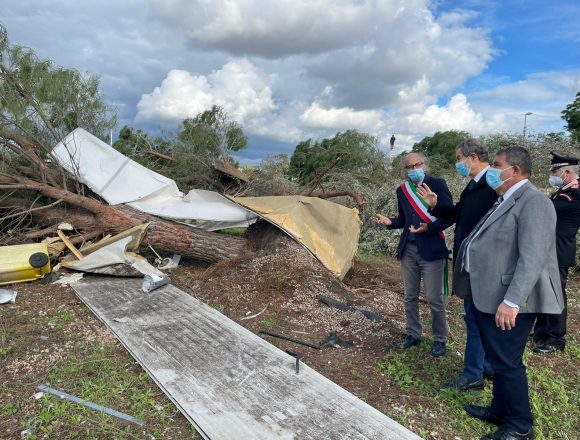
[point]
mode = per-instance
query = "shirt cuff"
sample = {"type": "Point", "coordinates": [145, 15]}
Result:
{"type": "Point", "coordinates": [511, 304]}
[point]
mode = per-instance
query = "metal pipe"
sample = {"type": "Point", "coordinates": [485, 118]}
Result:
{"type": "Point", "coordinates": [288, 338]}
{"type": "Point", "coordinates": [91, 405]}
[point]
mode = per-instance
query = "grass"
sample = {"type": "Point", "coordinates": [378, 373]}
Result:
{"type": "Point", "coordinates": [267, 322]}
{"type": "Point", "coordinates": [4, 349]}
{"type": "Point", "coordinates": [101, 372]}
{"type": "Point", "coordinates": [105, 378]}
{"type": "Point", "coordinates": [61, 319]}
{"type": "Point", "coordinates": [554, 394]}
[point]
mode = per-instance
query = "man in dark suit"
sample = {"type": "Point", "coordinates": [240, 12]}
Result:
{"type": "Point", "coordinates": [422, 251]}
{"type": "Point", "coordinates": [474, 202]}
{"type": "Point", "coordinates": [508, 266]}
{"type": "Point", "coordinates": [550, 329]}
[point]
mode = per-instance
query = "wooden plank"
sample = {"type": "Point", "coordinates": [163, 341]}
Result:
{"type": "Point", "coordinates": [227, 381]}
{"type": "Point", "coordinates": [69, 245]}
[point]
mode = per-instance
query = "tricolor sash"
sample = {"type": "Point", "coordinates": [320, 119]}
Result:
{"type": "Point", "coordinates": [421, 208]}
{"type": "Point", "coordinates": [418, 204]}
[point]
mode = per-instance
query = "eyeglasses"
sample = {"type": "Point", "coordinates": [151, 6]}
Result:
{"type": "Point", "coordinates": [414, 166]}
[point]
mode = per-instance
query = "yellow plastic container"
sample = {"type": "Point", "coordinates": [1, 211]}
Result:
{"type": "Point", "coordinates": [23, 262]}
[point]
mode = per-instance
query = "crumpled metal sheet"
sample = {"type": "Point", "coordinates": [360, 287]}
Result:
{"type": "Point", "coordinates": [112, 257]}
{"type": "Point", "coordinates": [7, 296]}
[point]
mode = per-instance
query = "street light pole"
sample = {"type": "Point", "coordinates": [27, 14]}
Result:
{"type": "Point", "coordinates": [526, 121]}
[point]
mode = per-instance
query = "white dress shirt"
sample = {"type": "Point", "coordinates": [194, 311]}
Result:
{"type": "Point", "coordinates": [480, 174]}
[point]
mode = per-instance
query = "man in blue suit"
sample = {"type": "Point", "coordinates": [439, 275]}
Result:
{"type": "Point", "coordinates": [475, 200]}
{"type": "Point", "coordinates": [422, 251]}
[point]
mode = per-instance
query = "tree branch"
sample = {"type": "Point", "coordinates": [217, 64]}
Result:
{"type": "Point", "coordinates": [317, 179]}
{"type": "Point", "coordinates": [28, 211]}
{"type": "Point", "coordinates": [360, 200]}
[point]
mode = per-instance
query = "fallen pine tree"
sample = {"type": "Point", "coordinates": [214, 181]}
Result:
{"type": "Point", "coordinates": [41, 104]}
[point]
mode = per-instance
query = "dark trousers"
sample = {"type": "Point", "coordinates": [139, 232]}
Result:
{"type": "Point", "coordinates": [551, 329]}
{"type": "Point", "coordinates": [504, 349]}
{"type": "Point", "coordinates": [475, 364]}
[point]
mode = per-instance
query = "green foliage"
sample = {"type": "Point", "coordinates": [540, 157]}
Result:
{"type": "Point", "coordinates": [571, 114]}
{"type": "Point", "coordinates": [358, 153]}
{"type": "Point", "coordinates": [212, 133]}
{"type": "Point", "coordinates": [44, 102]}
{"type": "Point", "coordinates": [440, 148]}
{"type": "Point", "coordinates": [188, 155]}
{"type": "Point", "coordinates": [270, 178]}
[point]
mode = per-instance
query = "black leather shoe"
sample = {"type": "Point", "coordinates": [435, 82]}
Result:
{"type": "Point", "coordinates": [482, 413]}
{"type": "Point", "coordinates": [488, 375]}
{"type": "Point", "coordinates": [547, 348]}
{"type": "Point", "coordinates": [439, 349]}
{"type": "Point", "coordinates": [410, 342]}
{"type": "Point", "coordinates": [463, 384]}
{"type": "Point", "coordinates": [509, 434]}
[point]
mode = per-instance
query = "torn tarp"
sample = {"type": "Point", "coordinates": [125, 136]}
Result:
{"type": "Point", "coordinates": [329, 230]}
{"type": "Point", "coordinates": [119, 179]}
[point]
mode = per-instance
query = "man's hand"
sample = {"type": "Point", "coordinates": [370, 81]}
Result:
{"type": "Point", "coordinates": [426, 194]}
{"type": "Point", "coordinates": [382, 220]}
{"type": "Point", "coordinates": [505, 317]}
{"type": "Point", "coordinates": [420, 230]}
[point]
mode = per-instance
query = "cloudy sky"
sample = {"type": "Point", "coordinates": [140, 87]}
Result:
{"type": "Point", "coordinates": [289, 70]}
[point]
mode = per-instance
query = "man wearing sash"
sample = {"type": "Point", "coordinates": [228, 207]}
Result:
{"type": "Point", "coordinates": [422, 251]}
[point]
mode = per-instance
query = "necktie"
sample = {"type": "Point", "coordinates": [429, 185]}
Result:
{"type": "Point", "coordinates": [472, 184]}
{"type": "Point", "coordinates": [477, 228]}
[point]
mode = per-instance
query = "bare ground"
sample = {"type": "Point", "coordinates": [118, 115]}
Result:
{"type": "Point", "coordinates": [48, 325]}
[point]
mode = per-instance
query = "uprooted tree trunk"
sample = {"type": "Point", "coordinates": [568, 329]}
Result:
{"type": "Point", "coordinates": [162, 235]}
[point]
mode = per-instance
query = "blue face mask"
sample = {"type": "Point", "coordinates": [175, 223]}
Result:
{"type": "Point", "coordinates": [493, 177]}
{"type": "Point", "coordinates": [462, 169]}
{"type": "Point", "coordinates": [416, 175]}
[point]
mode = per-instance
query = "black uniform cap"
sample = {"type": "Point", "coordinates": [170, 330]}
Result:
{"type": "Point", "coordinates": [558, 161]}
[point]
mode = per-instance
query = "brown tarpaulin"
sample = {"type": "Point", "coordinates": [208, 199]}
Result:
{"type": "Point", "coordinates": [329, 230]}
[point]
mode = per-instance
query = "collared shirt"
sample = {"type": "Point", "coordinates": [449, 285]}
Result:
{"type": "Point", "coordinates": [513, 189]}
{"type": "Point", "coordinates": [480, 174]}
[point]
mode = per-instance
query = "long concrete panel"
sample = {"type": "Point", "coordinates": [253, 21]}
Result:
{"type": "Point", "coordinates": [227, 381]}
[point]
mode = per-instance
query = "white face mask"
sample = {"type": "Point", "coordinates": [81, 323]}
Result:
{"type": "Point", "coordinates": [556, 181]}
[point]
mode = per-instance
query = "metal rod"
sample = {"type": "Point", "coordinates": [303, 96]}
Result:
{"type": "Point", "coordinates": [297, 357]}
{"type": "Point", "coordinates": [91, 405]}
{"type": "Point", "coordinates": [288, 338]}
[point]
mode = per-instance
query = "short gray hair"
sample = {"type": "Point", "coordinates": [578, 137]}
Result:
{"type": "Point", "coordinates": [517, 156]}
{"type": "Point", "coordinates": [474, 146]}
{"type": "Point", "coordinates": [416, 153]}
{"type": "Point", "coordinates": [572, 168]}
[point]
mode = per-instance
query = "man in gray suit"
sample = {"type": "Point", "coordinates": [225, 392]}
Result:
{"type": "Point", "coordinates": [508, 266]}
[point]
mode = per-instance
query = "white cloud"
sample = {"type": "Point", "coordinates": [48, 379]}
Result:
{"type": "Point", "coordinates": [341, 118]}
{"type": "Point", "coordinates": [239, 87]}
{"type": "Point", "coordinates": [383, 66]}
{"type": "Point", "coordinates": [536, 87]}
{"type": "Point", "coordinates": [366, 50]}
{"type": "Point", "coordinates": [457, 114]}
